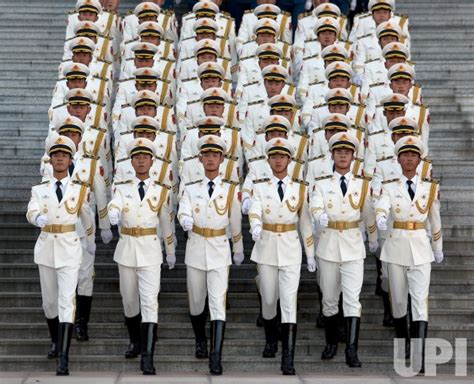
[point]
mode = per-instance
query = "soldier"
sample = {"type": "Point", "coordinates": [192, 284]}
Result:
{"type": "Point", "coordinates": [279, 205]}
{"type": "Point", "coordinates": [140, 206]}
{"type": "Point", "coordinates": [206, 209]}
{"type": "Point", "coordinates": [410, 202]}
{"type": "Point", "coordinates": [59, 206]}
{"type": "Point", "coordinates": [85, 10]}
{"type": "Point", "coordinates": [338, 203]}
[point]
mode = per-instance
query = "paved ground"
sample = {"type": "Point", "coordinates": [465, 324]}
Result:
{"type": "Point", "coordinates": [229, 378]}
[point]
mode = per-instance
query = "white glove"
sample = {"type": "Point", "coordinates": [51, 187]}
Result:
{"type": "Point", "coordinates": [358, 79]}
{"type": "Point", "coordinates": [114, 216]}
{"type": "Point", "coordinates": [373, 246]}
{"type": "Point", "coordinates": [171, 260]}
{"type": "Point", "coordinates": [188, 223]}
{"type": "Point", "coordinates": [257, 232]}
{"type": "Point", "coordinates": [246, 204]}
{"type": "Point", "coordinates": [324, 220]}
{"type": "Point", "coordinates": [238, 258]}
{"type": "Point", "coordinates": [439, 256]}
{"type": "Point", "coordinates": [311, 262]}
{"type": "Point", "coordinates": [308, 5]}
{"type": "Point", "coordinates": [106, 235]}
{"type": "Point", "coordinates": [91, 248]}
{"type": "Point", "coordinates": [41, 221]}
{"type": "Point", "coordinates": [382, 223]}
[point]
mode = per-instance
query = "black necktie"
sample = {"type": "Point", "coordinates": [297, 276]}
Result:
{"type": "Point", "coordinates": [59, 192]}
{"type": "Point", "coordinates": [71, 169]}
{"type": "Point", "coordinates": [411, 192]}
{"type": "Point", "coordinates": [280, 190]}
{"type": "Point", "coordinates": [141, 189]}
{"type": "Point", "coordinates": [343, 186]}
{"type": "Point", "coordinates": [211, 188]}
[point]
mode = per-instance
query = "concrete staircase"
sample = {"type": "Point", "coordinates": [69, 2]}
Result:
{"type": "Point", "coordinates": [32, 32]}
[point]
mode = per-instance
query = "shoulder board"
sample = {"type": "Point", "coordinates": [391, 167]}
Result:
{"type": "Point", "coordinates": [368, 178]}
{"type": "Point", "coordinates": [364, 15]}
{"type": "Point", "coordinates": [131, 12]}
{"type": "Point", "coordinates": [376, 84]}
{"type": "Point", "coordinates": [125, 133]}
{"type": "Point", "coordinates": [162, 185]}
{"type": "Point", "coordinates": [194, 182]}
{"type": "Point", "coordinates": [62, 79]}
{"type": "Point", "coordinates": [227, 15]}
{"type": "Point", "coordinates": [104, 61]}
{"type": "Point", "coordinates": [124, 182]}
{"type": "Point", "coordinates": [233, 158]}
{"type": "Point", "coordinates": [256, 158]}
{"type": "Point", "coordinates": [238, 129]}
{"type": "Point", "coordinates": [72, 11]}
{"type": "Point", "coordinates": [260, 131]}
{"type": "Point", "coordinates": [66, 61]}
{"type": "Point", "coordinates": [317, 82]}
{"type": "Point", "coordinates": [373, 60]}
{"type": "Point", "coordinates": [345, 42]}
{"type": "Point", "coordinates": [311, 57]}
{"type": "Point", "coordinates": [418, 85]}
{"type": "Point", "coordinates": [59, 105]}
{"type": "Point", "coordinates": [44, 182]}
{"type": "Point", "coordinates": [249, 41]}
{"type": "Point", "coordinates": [169, 12]}
{"type": "Point", "coordinates": [100, 78]}
{"type": "Point", "coordinates": [364, 36]}
{"type": "Point", "coordinates": [163, 159]}
{"type": "Point", "coordinates": [125, 80]}
{"type": "Point", "coordinates": [189, 79]}
{"type": "Point", "coordinates": [302, 134]}
{"type": "Point", "coordinates": [126, 105]}
{"type": "Point", "coordinates": [316, 158]}
{"type": "Point", "coordinates": [411, 62]}
{"type": "Point", "coordinates": [71, 38]}
{"type": "Point", "coordinates": [426, 160]}
{"type": "Point", "coordinates": [248, 11]}
{"type": "Point", "coordinates": [171, 133]}
{"type": "Point", "coordinates": [390, 181]}
{"type": "Point", "coordinates": [320, 105]}
{"type": "Point", "coordinates": [191, 158]}
{"type": "Point", "coordinates": [299, 181]}
{"type": "Point", "coordinates": [194, 101]}
{"type": "Point", "coordinates": [304, 14]}
{"type": "Point", "coordinates": [264, 180]}
{"type": "Point", "coordinates": [224, 58]}
{"type": "Point", "coordinates": [257, 102]}
{"type": "Point", "coordinates": [188, 13]}
{"type": "Point", "coordinates": [401, 15]}
{"type": "Point", "coordinates": [376, 132]}
{"type": "Point", "coordinates": [189, 38]}
{"type": "Point", "coordinates": [188, 58]}
{"type": "Point", "coordinates": [124, 159]}
{"type": "Point", "coordinates": [359, 105]}
{"type": "Point", "coordinates": [247, 57]}
{"type": "Point", "coordinates": [230, 182]}
{"type": "Point", "coordinates": [302, 162]}
{"type": "Point", "coordinates": [285, 13]}
{"type": "Point", "coordinates": [432, 181]}
{"type": "Point", "coordinates": [310, 40]}
{"type": "Point", "coordinates": [252, 83]}
{"type": "Point", "coordinates": [323, 177]}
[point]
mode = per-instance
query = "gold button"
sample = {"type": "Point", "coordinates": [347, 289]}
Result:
{"type": "Point", "coordinates": [55, 235]}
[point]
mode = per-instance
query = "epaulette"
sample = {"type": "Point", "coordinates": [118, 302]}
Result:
{"type": "Point", "coordinates": [167, 132]}
{"type": "Point", "coordinates": [376, 132]}
{"type": "Point", "coordinates": [260, 131]}
{"type": "Point", "coordinates": [224, 58]}
{"type": "Point", "coordinates": [44, 182]}
{"type": "Point", "coordinates": [364, 36]}
{"type": "Point", "coordinates": [191, 127]}
{"type": "Point", "coordinates": [248, 11]}
{"type": "Point", "coordinates": [226, 15]}
{"type": "Point", "coordinates": [371, 61]}
{"type": "Point", "coordinates": [299, 181]}
{"type": "Point", "coordinates": [124, 159]}
{"type": "Point", "coordinates": [124, 182]}
{"type": "Point", "coordinates": [104, 61]}
{"type": "Point", "coordinates": [126, 133]}
{"type": "Point", "coordinates": [193, 101]}
{"type": "Point", "coordinates": [302, 162]}
{"type": "Point", "coordinates": [130, 59]}
{"type": "Point", "coordinates": [188, 58]}
{"type": "Point", "coordinates": [233, 158]}
{"type": "Point", "coordinates": [189, 79]}
{"type": "Point", "coordinates": [247, 57]}
{"type": "Point", "coordinates": [376, 84]}
{"type": "Point", "coordinates": [189, 38]}
{"type": "Point", "coordinates": [72, 11]}
{"type": "Point", "coordinates": [317, 157]}
{"type": "Point", "coordinates": [426, 160]}
{"type": "Point", "coordinates": [98, 77]}
{"type": "Point", "coordinates": [132, 40]}
{"type": "Point", "coordinates": [323, 177]}
{"type": "Point", "coordinates": [70, 39]}
{"type": "Point", "coordinates": [168, 60]}
{"type": "Point", "coordinates": [264, 180]}
{"type": "Point", "coordinates": [368, 178]}
{"type": "Point", "coordinates": [311, 57]}
{"type": "Point", "coordinates": [257, 102]}
{"type": "Point", "coordinates": [59, 105]}
{"type": "Point", "coordinates": [257, 158]}
{"type": "Point", "coordinates": [249, 41]}
{"type": "Point", "coordinates": [316, 130]}
{"type": "Point", "coordinates": [191, 157]}
{"type": "Point", "coordinates": [310, 40]}
{"type": "Point", "coordinates": [124, 80]}
{"type": "Point", "coordinates": [432, 181]}
{"type": "Point", "coordinates": [364, 15]}
{"type": "Point", "coordinates": [390, 181]}
{"type": "Point", "coordinates": [238, 129]}
{"type": "Point", "coordinates": [302, 134]}
{"type": "Point", "coordinates": [126, 105]}
{"type": "Point", "coordinates": [359, 104]}
{"type": "Point", "coordinates": [188, 14]}
{"type": "Point", "coordinates": [317, 82]}
{"type": "Point", "coordinates": [129, 13]}
{"type": "Point", "coordinates": [230, 182]}
{"type": "Point", "coordinates": [66, 61]}
{"type": "Point", "coordinates": [401, 15]}
{"type": "Point", "coordinates": [411, 62]}
{"type": "Point", "coordinates": [304, 14]}
{"type": "Point", "coordinates": [162, 185]}
{"type": "Point", "coordinates": [285, 13]}
{"type": "Point", "coordinates": [320, 105]}
{"type": "Point", "coordinates": [252, 83]}
{"type": "Point", "coordinates": [169, 12]}
{"type": "Point", "coordinates": [163, 159]}
{"type": "Point", "coordinates": [194, 182]}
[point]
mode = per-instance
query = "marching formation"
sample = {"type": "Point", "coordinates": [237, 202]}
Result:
{"type": "Point", "coordinates": [316, 132]}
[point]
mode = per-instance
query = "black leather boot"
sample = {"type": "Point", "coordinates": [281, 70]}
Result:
{"type": "Point", "coordinates": [320, 320]}
{"type": "Point", "coordinates": [148, 340]}
{"type": "Point", "coordinates": [401, 331]}
{"type": "Point", "coordinates": [288, 334]}
{"type": "Point", "coordinates": [271, 338]}
{"type": "Point", "coordinates": [259, 321]}
{"type": "Point", "coordinates": [388, 320]}
{"type": "Point", "coordinates": [378, 282]}
{"type": "Point", "coordinates": [420, 332]}
{"type": "Point", "coordinates": [53, 327]}
{"type": "Point", "coordinates": [133, 327]}
{"type": "Point", "coordinates": [352, 341]}
{"type": "Point", "coordinates": [65, 335]}
{"type": "Point", "coordinates": [199, 327]}
{"type": "Point", "coordinates": [217, 341]}
{"type": "Point", "coordinates": [83, 311]}
{"type": "Point", "coordinates": [341, 321]}
{"type": "Point", "coordinates": [331, 334]}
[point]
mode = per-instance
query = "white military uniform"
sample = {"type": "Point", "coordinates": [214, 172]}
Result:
{"type": "Point", "coordinates": [341, 250]}
{"type": "Point", "coordinates": [407, 251]}
{"type": "Point", "coordinates": [208, 254]}
{"type": "Point", "coordinates": [138, 253]}
{"type": "Point", "coordinates": [278, 252]}
{"type": "Point", "coordinates": [58, 250]}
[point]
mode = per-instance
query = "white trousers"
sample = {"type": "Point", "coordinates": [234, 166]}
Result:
{"type": "Point", "coordinates": [414, 280]}
{"type": "Point", "coordinates": [279, 283]}
{"type": "Point", "coordinates": [346, 277]}
{"type": "Point", "coordinates": [213, 284]}
{"type": "Point", "coordinates": [58, 292]}
{"type": "Point", "coordinates": [85, 284]}
{"type": "Point", "coordinates": [139, 288]}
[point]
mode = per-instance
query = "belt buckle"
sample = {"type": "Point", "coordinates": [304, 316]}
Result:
{"type": "Point", "coordinates": [410, 225]}
{"type": "Point", "coordinates": [340, 225]}
{"type": "Point", "coordinates": [207, 232]}
{"type": "Point", "coordinates": [279, 227]}
{"type": "Point", "coordinates": [135, 231]}
{"type": "Point", "coordinates": [56, 228]}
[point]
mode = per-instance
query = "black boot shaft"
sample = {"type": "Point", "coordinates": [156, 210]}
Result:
{"type": "Point", "coordinates": [148, 340]}
{"type": "Point", "coordinates": [352, 341]}
{"type": "Point", "coordinates": [64, 343]}
{"type": "Point", "coordinates": [217, 341]}
{"type": "Point", "coordinates": [133, 327]}
{"type": "Point", "coordinates": [288, 348]}
{"type": "Point", "coordinates": [53, 327]}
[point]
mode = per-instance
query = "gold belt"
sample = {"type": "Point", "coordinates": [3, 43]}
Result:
{"type": "Point", "coordinates": [137, 231]}
{"type": "Point", "coordinates": [208, 232]}
{"type": "Point", "coordinates": [409, 225]}
{"type": "Point", "coordinates": [343, 225]}
{"type": "Point", "coordinates": [279, 228]}
{"type": "Point", "coordinates": [59, 228]}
